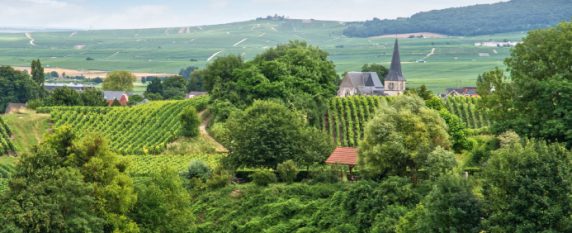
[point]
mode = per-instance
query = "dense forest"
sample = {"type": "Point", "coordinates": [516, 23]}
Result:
{"type": "Point", "coordinates": [512, 16]}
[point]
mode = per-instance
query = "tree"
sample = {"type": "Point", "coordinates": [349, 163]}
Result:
{"type": "Point", "coordinates": [422, 92]}
{"type": "Point", "coordinates": [399, 138]}
{"type": "Point", "coordinates": [119, 81]}
{"type": "Point", "coordinates": [16, 87]}
{"type": "Point", "coordinates": [190, 122]}
{"type": "Point", "coordinates": [536, 102]}
{"type": "Point", "coordinates": [527, 188]}
{"type": "Point", "coordinates": [64, 96]}
{"type": "Point", "coordinates": [440, 162]}
{"type": "Point", "coordinates": [134, 100]}
{"type": "Point", "coordinates": [377, 68]}
{"type": "Point", "coordinates": [174, 88]}
{"type": "Point", "coordinates": [155, 88]}
{"type": "Point", "coordinates": [266, 134]}
{"type": "Point", "coordinates": [164, 204]}
{"type": "Point", "coordinates": [450, 207]}
{"type": "Point", "coordinates": [38, 72]}
{"type": "Point", "coordinates": [196, 81]}
{"type": "Point", "coordinates": [116, 103]}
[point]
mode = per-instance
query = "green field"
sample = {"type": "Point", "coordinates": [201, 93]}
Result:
{"type": "Point", "coordinates": [456, 61]}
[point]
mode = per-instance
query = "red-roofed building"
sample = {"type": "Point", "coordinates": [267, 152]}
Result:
{"type": "Point", "coordinates": [344, 156]}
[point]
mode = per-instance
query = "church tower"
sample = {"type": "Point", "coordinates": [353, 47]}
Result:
{"type": "Point", "coordinates": [395, 81]}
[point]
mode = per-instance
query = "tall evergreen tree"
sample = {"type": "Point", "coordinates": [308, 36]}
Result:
{"type": "Point", "coordinates": [38, 72]}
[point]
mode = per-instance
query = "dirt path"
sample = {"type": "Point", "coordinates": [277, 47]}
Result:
{"type": "Point", "coordinates": [203, 131]}
{"type": "Point", "coordinates": [29, 36]}
{"type": "Point", "coordinates": [214, 55]}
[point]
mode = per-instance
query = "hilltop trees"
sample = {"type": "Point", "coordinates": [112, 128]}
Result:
{"type": "Point", "coordinates": [537, 101]}
{"type": "Point", "coordinates": [299, 75]}
{"type": "Point", "coordinates": [16, 87]}
{"type": "Point", "coordinates": [119, 81]}
{"type": "Point", "coordinates": [377, 68]}
{"type": "Point", "coordinates": [400, 138]}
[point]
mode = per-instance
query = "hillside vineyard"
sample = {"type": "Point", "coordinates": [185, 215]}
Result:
{"type": "Point", "coordinates": [143, 129]}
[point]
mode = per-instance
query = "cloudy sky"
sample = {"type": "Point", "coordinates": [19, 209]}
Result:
{"type": "Point", "coordinates": [102, 14]}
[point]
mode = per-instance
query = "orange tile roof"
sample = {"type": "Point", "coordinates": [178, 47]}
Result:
{"type": "Point", "coordinates": [344, 156]}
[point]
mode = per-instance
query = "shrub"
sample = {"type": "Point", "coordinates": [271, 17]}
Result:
{"type": "Point", "coordinates": [218, 181]}
{"type": "Point", "coordinates": [190, 122]}
{"type": "Point", "coordinates": [199, 169]}
{"type": "Point", "coordinates": [263, 177]}
{"type": "Point", "coordinates": [327, 176]}
{"type": "Point", "coordinates": [287, 171]}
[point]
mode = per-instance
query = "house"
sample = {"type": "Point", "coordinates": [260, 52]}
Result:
{"type": "Point", "coordinates": [395, 81]}
{"type": "Point", "coordinates": [121, 96]}
{"type": "Point", "coordinates": [76, 87]}
{"type": "Point", "coordinates": [360, 83]}
{"type": "Point", "coordinates": [193, 94]}
{"type": "Point", "coordinates": [463, 91]}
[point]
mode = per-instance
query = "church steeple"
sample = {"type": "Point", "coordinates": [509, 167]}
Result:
{"type": "Point", "coordinates": [394, 82]}
{"type": "Point", "coordinates": [395, 73]}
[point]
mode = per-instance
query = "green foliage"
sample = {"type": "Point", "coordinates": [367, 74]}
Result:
{"type": "Point", "coordinates": [64, 96]}
{"type": "Point", "coordinates": [145, 165]}
{"type": "Point", "coordinates": [537, 101]}
{"type": "Point", "coordinates": [38, 72]}
{"type": "Point", "coordinates": [400, 137]}
{"type": "Point", "coordinates": [263, 177]}
{"type": "Point", "coordinates": [524, 15]}
{"type": "Point", "coordinates": [16, 87]}
{"type": "Point", "coordinates": [287, 171]}
{"type": "Point", "coordinates": [154, 90]}
{"type": "Point", "coordinates": [174, 88]}
{"type": "Point", "coordinates": [69, 185]}
{"type": "Point", "coordinates": [142, 129]}
{"type": "Point", "coordinates": [268, 133]}
{"type": "Point", "coordinates": [190, 122]}
{"type": "Point", "coordinates": [94, 97]}
{"type": "Point", "coordinates": [134, 100]}
{"type": "Point", "coordinates": [119, 81]}
{"type": "Point", "coordinates": [6, 145]}
{"type": "Point", "coordinates": [299, 75]}
{"type": "Point", "coordinates": [377, 68]}
{"type": "Point", "coordinates": [163, 204]}
{"type": "Point", "coordinates": [527, 188]}
{"type": "Point", "coordinates": [199, 169]}
{"type": "Point", "coordinates": [440, 162]}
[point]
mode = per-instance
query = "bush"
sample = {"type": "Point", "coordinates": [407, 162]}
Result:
{"type": "Point", "coordinates": [190, 122]}
{"type": "Point", "coordinates": [199, 169]}
{"type": "Point", "coordinates": [287, 171]}
{"type": "Point", "coordinates": [263, 177]}
{"type": "Point", "coordinates": [327, 176]}
{"type": "Point", "coordinates": [218, 181]}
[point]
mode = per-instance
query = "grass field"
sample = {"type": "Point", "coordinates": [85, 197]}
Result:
{"type": "Point", "coordinates": [28, 128]}
{"type": "Point", "coordinates": [456, 61]}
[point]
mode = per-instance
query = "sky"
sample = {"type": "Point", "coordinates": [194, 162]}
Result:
{"type": "Point", "coordinates": [118, 14]}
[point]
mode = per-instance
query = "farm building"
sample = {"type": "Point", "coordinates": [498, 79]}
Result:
{"type": "Point", "coordinates": [77, 87]}
{"type": "Point", "coordinates": [347, 156]}
{"type": "Point", "coordinates": [120, 96]}
{"type": "Point", "coordinates": [193, 94]}
{"type": "Point", "coordinates": [463, 91]}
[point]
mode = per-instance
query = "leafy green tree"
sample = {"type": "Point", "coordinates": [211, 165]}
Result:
{"type": "Point", "coordinates": [536, 102]}
{"type": "Point", "coordinates": [266, 134]}
{"type": "Point", "coordinates": [190, 122]}
{"type": "Point", "coordinates": [196, 81]}
{"type": "Point", "coordinates": [219, 75]}
{"type": "Point", "coordinates": [377, 68]}
{"type": "Point", "coordinates": [134, 100]}
{"type": "Point", "coordinates": [450, 207]}
{"type": "Point", "coordinates": [164, 204]}
{"type": "Point", "coordinates": [119, 81]}
{"type": "Point", "coordinates": [287, 171]}
{"type": "Point", "coordinates": [93, 97]}
{"type": "Point", "coordinates": [422, 92]}
{"type": "Point", "coordinates": [440, 162]}
{"type": "Point", "coordinates": [155, 87]}
{"type": "Point", "coordinates": [174, 88]}
{"type": "Point", "coordinates": [38, 72]}
{"type": "Point", "coordinates": [527, 188]}
{"type": "Point", "coordinates": [64, 96]}
{"type": "Point", "coordinates": [16, 87]}
{"type": "Point", "coordinates": [400, 137]}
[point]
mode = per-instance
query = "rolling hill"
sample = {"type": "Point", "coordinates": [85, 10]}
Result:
{"type": "Point", "coordinates": [502, 17]}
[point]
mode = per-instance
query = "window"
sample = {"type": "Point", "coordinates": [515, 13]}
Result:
{"type": "Point", "coordinates": [391, 86]}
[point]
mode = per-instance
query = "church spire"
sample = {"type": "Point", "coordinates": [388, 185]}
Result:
{"type": "Point", "coordinates": [395, 73]}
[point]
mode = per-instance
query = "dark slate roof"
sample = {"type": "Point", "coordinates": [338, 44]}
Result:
{"type": "Point", "coordinates": [395, 73]}
{"type": "Point", "coordinates": [365, 82]}
{"type": "Point", "coordinates": [343, 156]}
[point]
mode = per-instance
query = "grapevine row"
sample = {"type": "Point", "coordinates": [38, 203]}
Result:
{"type": "Point", "coordinates": [6, 145]}
{"type": "Point", "coordinates": [466, 109]}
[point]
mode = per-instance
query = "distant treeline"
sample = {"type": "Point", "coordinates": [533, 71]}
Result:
{"type": "Point", "coordinates": [515, 15]}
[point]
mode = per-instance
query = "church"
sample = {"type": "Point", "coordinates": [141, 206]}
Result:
{"type": "Point", "coordinates": [368, 83]}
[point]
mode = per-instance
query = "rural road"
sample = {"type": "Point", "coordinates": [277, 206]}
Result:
{"type": "Point", "coordinates": [29, 36]}
{"type": "Point", "coordinates": [203, 131]}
